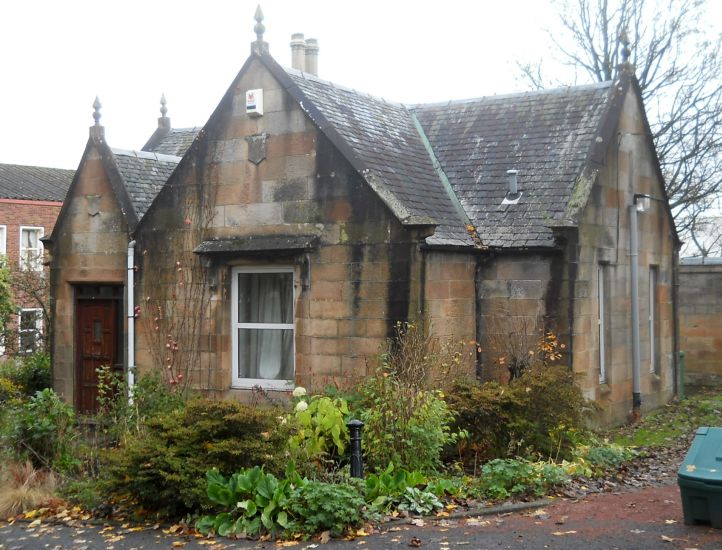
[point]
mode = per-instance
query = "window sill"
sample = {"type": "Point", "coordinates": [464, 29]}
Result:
{"type": "Point", "coordinates": [269, 385]}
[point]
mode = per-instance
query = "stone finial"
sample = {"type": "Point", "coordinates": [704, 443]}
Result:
{"type": "Point", "coordinates": [259, 28]}
{"type": "Point", "coordinates": [259, 46]}
{"type": "Point", "coordinates": [163, 108]}
{"type": "Point", "coordinates": [96, 111]}
{"type": "Point", "coordinates": [163, 121]}
{"type": "Point", "coordinates": [624, 41]}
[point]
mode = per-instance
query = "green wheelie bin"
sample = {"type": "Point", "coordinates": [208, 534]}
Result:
{"type": "Point", "coordinates": [700, 479]}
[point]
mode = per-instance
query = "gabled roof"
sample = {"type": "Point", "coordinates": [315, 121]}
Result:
{"type": "Point", "coordinates": [382, 142]}
{"type": "Point", "coordinates": [143, 175]}
{"type": "Point", "coordinates": [175, 142]}
{"type": "Point", "coordinates": [546, 135]}
{"type": "Point", "coordinates": [35, 183]}
{"type": "Point", "coordinates": [135, 178]}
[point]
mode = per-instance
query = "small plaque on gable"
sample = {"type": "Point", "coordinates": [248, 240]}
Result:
{"type": "Point", "coordinates": [256, 148]}
{"type": "Point", "coordinates": [254, 102]}
{"type": "Point", "coordinates": [93, 204]}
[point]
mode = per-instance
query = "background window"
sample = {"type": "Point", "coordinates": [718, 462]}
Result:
{"type": "Point", "coordinates": [604, 320]}
{"type": "Point", "coordinates": [262, 328]}
{"type": "Point", "coordinates": [30, 330]}
{"type": "Point", "coordinates": [654, 325]}
{"type": "Point", "coordinates": [3, 239]}
{"type": "Point", "coordinates": [31, 249]}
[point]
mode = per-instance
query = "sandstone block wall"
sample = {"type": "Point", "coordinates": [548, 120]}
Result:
{"type": "Point", "coordinates": [700, 322]}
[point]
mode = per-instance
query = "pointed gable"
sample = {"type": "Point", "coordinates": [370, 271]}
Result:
{"type": "Point", "coordinates": [547, 136]}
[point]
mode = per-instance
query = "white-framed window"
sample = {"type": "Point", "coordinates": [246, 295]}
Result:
{"type": "Point", "coordinates": [3, 239]}
{"type": "Point", "coordinates": [262, 327]}
{"type": "Point", "coordinates": [31, 249]}
{"type": "Point", "coordinates": [603, 320]}
{"type": "Point", "coordinates": [30, 330]}
{"type": "Point", "coordinates": [654, 325]}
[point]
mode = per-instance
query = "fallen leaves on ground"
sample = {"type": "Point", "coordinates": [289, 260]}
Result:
{"type": "Point", "coordinates": [562, 533]}
{"type": "Point", "coordinates": [415, 542]}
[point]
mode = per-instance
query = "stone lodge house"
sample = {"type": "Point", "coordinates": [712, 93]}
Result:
{"type": "Point", "coordinates": [30, 200]}
{"type": "Point", "coordinates": [279, 244]}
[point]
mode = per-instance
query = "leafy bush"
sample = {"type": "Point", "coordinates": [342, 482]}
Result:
{"type": "Point", "coordinates": [333, 507]}
{"type": "Point", "coordinates": [537, 414]}
{"type": "Point", "coordinates": [319, 430]}
{"type": "Point", "coordinates": [164, 467]}
{"type": "Point", "coordinates": [9, 390]}
{"type": "Point", "coordinates": [41, 430]}
{"type": "Point", "coordinates": [253, 501]}
{"type": "Point", "coordinates": [29, 373]}
{"type": "Point", "coordinates": [598, 458]}
{"type": "Point", "coordinates": [406, 423]}
{"type": "Point", "coordinates": [117, 418]}
{"type": "Point", "coordinates": [503, 478]}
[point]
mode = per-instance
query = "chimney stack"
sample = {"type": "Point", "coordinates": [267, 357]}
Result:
{"type": "Point", "coordinates": [312, 56]}
{"type": "Point", "coordinates": [298, 51]}
{"type": "Point", "coordinates": [304, 54]}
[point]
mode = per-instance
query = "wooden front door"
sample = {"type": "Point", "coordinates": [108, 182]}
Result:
{"type": "Point", "coordinates": [97, 345]}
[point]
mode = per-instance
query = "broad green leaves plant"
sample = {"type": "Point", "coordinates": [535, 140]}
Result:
{"type": "Point", "coordinates": [320, 430]}
{"type": "Point", "coordinates": [256, 502]}
{"type": "Point", "coordinates": [386, 489]}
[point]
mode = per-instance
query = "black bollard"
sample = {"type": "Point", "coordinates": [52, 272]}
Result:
{"type": "Point", "coordinates": [357, 461]}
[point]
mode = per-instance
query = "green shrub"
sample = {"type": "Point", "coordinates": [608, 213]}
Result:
{"type": "Point", "coordinates": [9, 390]}
{"type": "Point", "coordinates": [537, 414]}
{"type": "Point", "coordinates": [409, 430]}
{"type": "Point", "coordinates": [117, 418]}
{"type": "Point", "coordinates": [41, 430]}
{"type": "Point", "coordinates": [503, 478]}
{"type": "Point", "coordinates": [164, 466]}
{"type": "Point", "coordinates": [28, 373]}
{"type": "Point", "coordinates": [318, 506]}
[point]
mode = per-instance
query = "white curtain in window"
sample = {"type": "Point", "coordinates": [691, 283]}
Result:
{"type": "Point", "coordinates": [265, 299]}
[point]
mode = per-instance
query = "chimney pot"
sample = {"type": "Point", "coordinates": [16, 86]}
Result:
{"type": "Point", "coordinates": [312, 56]}
{"type": "Point", "coordinates": [298, 51]}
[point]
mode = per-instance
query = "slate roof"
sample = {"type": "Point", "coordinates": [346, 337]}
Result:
{"type": "Point", "coordinates": [144, 174]}
{"type": "Point", "coordinates": [176, 142]}
{"type": "Point", "coordinates": [389, 154]}
{"type": "Point", "coordinates": [547, 136]}
{"type": "Point", "coordinates": [34, 183]}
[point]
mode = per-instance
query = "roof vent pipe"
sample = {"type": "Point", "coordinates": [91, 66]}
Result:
{"type": "Point", "coordinates": [513, 181]}
{"type": "Point", "coordinates": [312, 56]}
{"type": "Point", "coordinates": [298, 51]}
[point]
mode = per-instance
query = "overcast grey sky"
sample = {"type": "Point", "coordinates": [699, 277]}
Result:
{"type": "Point", "coordinates": [57, 56]}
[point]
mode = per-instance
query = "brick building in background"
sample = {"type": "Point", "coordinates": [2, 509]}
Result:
{"type": "Point", "coordinates": [30, 201]}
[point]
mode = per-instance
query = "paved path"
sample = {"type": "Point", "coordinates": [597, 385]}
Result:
{"type": "Point", "coordinates": [649, 518]}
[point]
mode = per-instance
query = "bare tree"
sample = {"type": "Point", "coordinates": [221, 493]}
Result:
{"type": "Point", "coordinates": [679, 69]}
